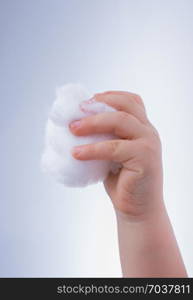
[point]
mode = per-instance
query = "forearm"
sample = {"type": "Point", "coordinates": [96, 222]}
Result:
{"type": "Point", "coordinates": [148, 247]}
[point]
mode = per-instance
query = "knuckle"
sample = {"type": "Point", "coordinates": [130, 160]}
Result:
{"type": "Point", "coordinates": [138, 99]}
{"type": "Point", "coordinates": [150, 147]}
{"type": "Point", "coordinates": [146, 145]}
{"type": "Point", "coordinates": [122, 116]}
{"type": "Point", "coordinates": [113, 146]}
{"type": "Point", "coordinates": [154, 134]}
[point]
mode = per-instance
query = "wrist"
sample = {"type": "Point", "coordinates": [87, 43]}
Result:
{"type": "Point", "coordinates": [152, 213]}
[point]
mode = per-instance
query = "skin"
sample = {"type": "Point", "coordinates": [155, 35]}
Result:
{"type": "Point", "coordinates": [147, 243]}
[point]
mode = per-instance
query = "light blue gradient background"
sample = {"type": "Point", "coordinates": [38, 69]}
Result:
{"type": "Point", "coordinates": [141, 46]}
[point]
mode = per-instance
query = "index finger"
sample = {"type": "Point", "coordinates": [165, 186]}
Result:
{"type": "Point", "coordinates": [124, 101]}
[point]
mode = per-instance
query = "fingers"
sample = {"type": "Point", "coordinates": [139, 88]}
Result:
{"type": "Point", "coordinates": [119, 123]}
{"type": "Point", "coordinates": [124, 101]}
{"type": "Point", "coordinates": [112, 150]}
{"type": "Point", "coordinates": [133, 96]}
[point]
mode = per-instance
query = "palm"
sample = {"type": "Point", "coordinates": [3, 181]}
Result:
{"type": "Point", "coordinates": [121, 189]}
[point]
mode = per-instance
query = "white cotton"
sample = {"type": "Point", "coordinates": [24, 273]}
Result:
{"type": "Point", "coordinates": [57, 159]}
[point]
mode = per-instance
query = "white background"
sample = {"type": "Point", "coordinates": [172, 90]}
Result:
{"type": "Point", "coordinates": [140, 46]}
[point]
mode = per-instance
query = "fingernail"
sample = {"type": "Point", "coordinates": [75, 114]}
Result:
{"type": "Point", "coordinates": [77, 150]}
{"type": "Point", "coordinates": [75, 124]}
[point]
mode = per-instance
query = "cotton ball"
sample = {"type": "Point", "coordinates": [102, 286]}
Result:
{"type": "Point", "coordinates": [72, 103]}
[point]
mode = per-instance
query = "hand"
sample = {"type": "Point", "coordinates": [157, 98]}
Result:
{"type": "Point", "coordinates": [136, 191]}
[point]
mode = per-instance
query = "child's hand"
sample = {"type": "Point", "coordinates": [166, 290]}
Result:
{"type": "Point", "coordinates": [147, 244]}
{"type": "Point", "coordinates": [136, 191]}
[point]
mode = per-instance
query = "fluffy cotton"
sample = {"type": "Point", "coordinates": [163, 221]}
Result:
{"type": "Point", "coordinates": [71, 104]}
